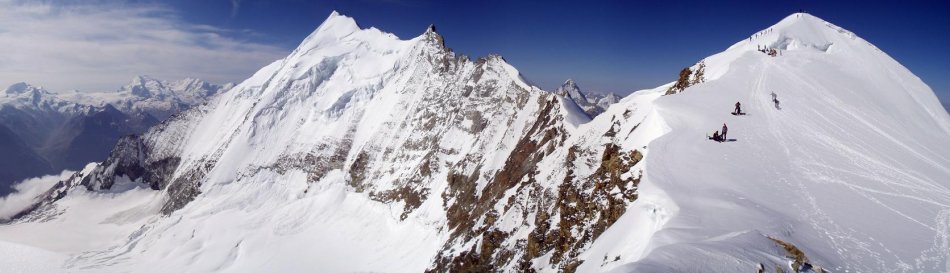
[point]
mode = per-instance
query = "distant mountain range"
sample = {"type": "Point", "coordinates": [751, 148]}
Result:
{"type": "Point", "coordinates": [48, 132]}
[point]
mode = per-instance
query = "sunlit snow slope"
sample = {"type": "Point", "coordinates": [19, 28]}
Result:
{"type": "Point", "coordinates": [852, 166]}
{"type": "Point", "coordinates": [361, 152]}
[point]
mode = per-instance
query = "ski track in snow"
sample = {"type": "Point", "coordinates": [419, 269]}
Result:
{"type": "Point", "coordinates": [845, 241]}
{"type": "Point", "coordinates": [820, 221]}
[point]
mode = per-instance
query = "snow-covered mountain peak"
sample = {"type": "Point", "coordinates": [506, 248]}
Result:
{"type": "Point", "coordinates": [25, 96]}
{"type": "Point", "coordinates": [17, 88]}
{"type": "Point", "coordinates": [802, 31]}
{"type": "Point", "coordinates": [571, 90]}
{"type": "Point", "coordinates": [187, 91]}
{"type": "Point", "coordinates": [25, 90]}
{"type": "Point", "coordinates": [155, 97]}
{"type": "Point", "coordinates": [415, 159]}
{"type": "Point", "coordinates": [802, 36]}
{"type": "Point", "coordinates": [433, 37]}
{"type": "Point", "coordinates": [338, 24]}
{"type": "Point", "coordinates": [334, 29]}
{"type": "Point", "coordinates": [821, 145]}
{"type": "Point", "coordinates": [144, 86]}
{"type": "Point", "coordinates": [602, 100]}
{"type": "Point", "coordinates": [592, 103]}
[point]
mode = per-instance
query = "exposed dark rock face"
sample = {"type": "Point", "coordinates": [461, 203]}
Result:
{"type": "Point", "coordinates": [797, 256]}
{"type": "Point", "coordinates": [126, 160]}
{"type": "Point", "coordinates": [471, 205]}
{"type": "Point", "coordinates": [688, 77]}
{"type": "Point", "coordinates": [567, 218]}
{"type": "Point", "coordinates": [67, 131]}
{"type": "Point", "coordinates": [142, 161]}
{"type": "Point", "coordinates": [49, 142]}
{"type": "Point", "coordinates": [505, 207]}
{"type": "Point", "coordinates": [185, 187]}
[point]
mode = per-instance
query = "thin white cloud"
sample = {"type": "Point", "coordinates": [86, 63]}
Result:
{"type": "Point", "coordinates": [99, 46]}
{"type": "Point", "coordinates": [235, 7]}
{"type": "Point", "coordinates": [27, 192]}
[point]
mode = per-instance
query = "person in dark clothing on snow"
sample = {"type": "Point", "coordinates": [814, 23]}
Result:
{"type": "Point", "coordinates": [724, 130]}
{"type": "Point", "coordinates": [715, 137]}
{"type": "Point", "coordinates": [775, 100]}
{"type": "Point", "coordinates": [738, 110]}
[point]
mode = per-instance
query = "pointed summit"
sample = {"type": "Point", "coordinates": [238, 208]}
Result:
{"type": "Point", "coordinates": [143, 86]}
{"type": "Point", "coordinates": [434, 37]}
{"type": "Point", "coordinates": [570, 82]}
{"type": "Point", "coordinates": [571, 90]}
{"type": "Point", "coordinates": [338, 25]}
{"type": "Point", "coordinates": [802, 31]}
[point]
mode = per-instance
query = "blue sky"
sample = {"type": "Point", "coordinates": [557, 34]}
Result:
{"type": "Point", "coordinates": [617, 46]}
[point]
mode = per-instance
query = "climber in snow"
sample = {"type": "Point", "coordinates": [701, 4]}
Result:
{"type": "Point", "coordinates": [775, 100]}
{"type": "Point", "coordinates": [724, 130]}
{"type": "Point", "coordinates": [738, 110]}
{"type": "Point", "coordinates": [715, 137]}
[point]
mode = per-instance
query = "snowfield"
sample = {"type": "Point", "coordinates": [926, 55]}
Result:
{"type": "Point", "coordinates": [361, 152]}
{"type": "Point", "coordinates": [853, 167]}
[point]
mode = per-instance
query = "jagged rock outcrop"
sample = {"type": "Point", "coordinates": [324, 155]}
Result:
{"type": "Point", "coordinates": [688, 77]}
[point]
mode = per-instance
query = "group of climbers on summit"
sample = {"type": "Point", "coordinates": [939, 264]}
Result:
{"type": "Point", "coordinates": [769, 51]}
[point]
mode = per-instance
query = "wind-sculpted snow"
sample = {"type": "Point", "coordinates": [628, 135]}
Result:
{"type": "Point", "coordinates": [364, 152]}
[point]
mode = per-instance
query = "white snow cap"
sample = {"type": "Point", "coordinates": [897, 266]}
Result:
{"type": "Point", "coordinates": [17, 88]}
{"type": "Point", "coordinates": [571, 90]}
{"type": "Point", "coordinates": [22, 87]}
{"type": "Point", "coordinates": [143, 86]}
{"type": "Point", "coordinates": [334, 27]}
{"type": "Point", "coordinates": [800, 31]}
{"type": "Point", "coordinates": [339, 23]}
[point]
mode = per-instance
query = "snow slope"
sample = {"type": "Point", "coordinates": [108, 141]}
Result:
{"type": "Point", "coordinates": [364, 152]}
{"type": "Point", "coordinates": [852, 167]}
